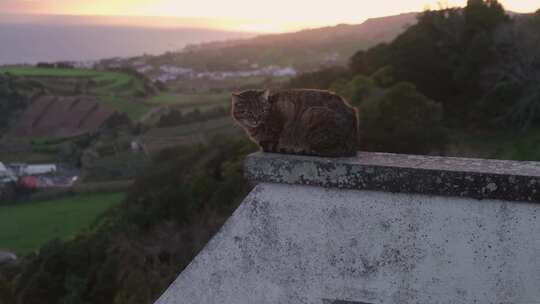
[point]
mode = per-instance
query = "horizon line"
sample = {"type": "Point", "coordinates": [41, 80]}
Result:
{"type": "Point", "coordinates": [209, 25]}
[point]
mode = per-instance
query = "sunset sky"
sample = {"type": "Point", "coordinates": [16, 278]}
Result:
{"type": "Point", "coordinates": [249, 15]}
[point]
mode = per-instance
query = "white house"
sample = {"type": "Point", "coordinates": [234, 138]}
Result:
{"type": "Point", "coordinates": [3, 168]}
{"type": "Point", "coordinates": [40, 169]}
{"type": "Point", "coordinates": [6, 257]}
{"type": "Point", "coordinates": [6, 175]}
{"type": "Point", "coordinates": [21, 169]}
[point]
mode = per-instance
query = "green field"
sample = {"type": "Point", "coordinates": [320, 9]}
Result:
{"type": "Point", "coordinates": [26, 227]}
{"type": "Point", "coordinates": [157, 139]}
{"type": "Point", "coordinates": [134, 109]}
{"type": "Point", "coordinates": [46, 72]}
{"type": "Point", "coordinates": [185, 103]}
{"type": "Point", "coordinates": [118, 91]}
{"type": "Point", "coordinates": [112, 79]}
{"type": "Point", "coordinates": [107, 80]}
{"type": "Point", "coordinates": [190, 100]}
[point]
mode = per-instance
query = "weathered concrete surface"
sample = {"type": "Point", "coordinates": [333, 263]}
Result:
{"type": "Point", "coordinates": [303, 244]}
{"type": "Point", "coordinates": [463, 177]}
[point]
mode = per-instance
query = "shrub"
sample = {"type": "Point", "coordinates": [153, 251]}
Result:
{"type": "Point", "coordinates": [361, 88]}
{"type": "Point", "coordinates": [138, 249]}
{"type": "Point", "coordinates": [12, 101]}
{"type": "Point", "coordinates": [356, 90]}
{"type": "Point", "coordinates": [384, 77]}
{"type": "Point", "coordinates": [401, 120]}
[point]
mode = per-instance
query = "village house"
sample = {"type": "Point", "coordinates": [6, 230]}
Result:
{"type": "Point", "coordinates": [21, 169]}
{"type": "Point", "coordinates": [6, 175]}
{"type": "Point", "coordinates": [33, 177]}
{"type": "Point", "coordinates": [7, 184]}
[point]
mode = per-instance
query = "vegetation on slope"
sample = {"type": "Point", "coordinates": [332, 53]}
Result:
{"type": "Point", "coordinates": [440, 74]}
{"type": "Point", "coordinates": [121, 90]}
{"type": "Point", "coordinates": [12, 102]}
{"type": "Point", "coordinates": [478, 63]}
{"type": "Point", "coordinates": [138, 250]}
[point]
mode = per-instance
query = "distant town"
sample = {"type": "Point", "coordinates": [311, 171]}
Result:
{"type": "Point", "coordinates": [21, 179]}
{"type": "Point", "coordinates": [169, 72]}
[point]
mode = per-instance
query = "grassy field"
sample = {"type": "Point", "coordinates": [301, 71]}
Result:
{"type": "Point", "coordinates": [48, 72]}
{"type": "Point", "coordinates": [119, 91]}
{"type": "Point", "coordinates": [26, 227]}
{"type": "Point", "coordinates": [108, 77]}
{"type": "Point", "coordinates": [185, 103]}
{"type": "Point", "coordinates": [106, 80]}
{"type": "Point", "coordinates": [157, 139]}
{"type": "Point", "coordinates": [190, 100]}
{"type": "Point", "coordinates": [134, 109]}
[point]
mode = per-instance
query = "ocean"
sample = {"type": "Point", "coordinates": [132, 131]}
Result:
{"type": "Point", "coordinates": [35, 42]}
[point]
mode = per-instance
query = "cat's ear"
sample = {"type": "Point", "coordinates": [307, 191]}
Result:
{"type": "Point", "coordinates": [235, 97]}
{"type": "Point", "coordinates": [266, 95]}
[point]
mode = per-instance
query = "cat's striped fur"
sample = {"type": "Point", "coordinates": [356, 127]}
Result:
{"type": "Point", "coordinates": [307, 122]}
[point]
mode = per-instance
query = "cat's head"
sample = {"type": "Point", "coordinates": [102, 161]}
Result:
{"type": "Point", "coordinates": [250, 108]}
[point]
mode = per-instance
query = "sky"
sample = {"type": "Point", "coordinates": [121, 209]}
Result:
{"type": "Point", "coordinates": [246, 15]}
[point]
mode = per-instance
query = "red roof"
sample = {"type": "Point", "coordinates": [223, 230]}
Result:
{"type": "Point", "coordinates": [28, 182]}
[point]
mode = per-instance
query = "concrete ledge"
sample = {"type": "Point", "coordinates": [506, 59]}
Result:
{"type": "Point", "coordinates": [292, 244]}
{"type": "Point", "coordinates": [461, 177]}
{"type": "Point", "coordinates": [309, 232]}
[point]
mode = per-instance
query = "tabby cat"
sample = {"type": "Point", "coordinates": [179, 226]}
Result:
{"type": "Point", "coordinates": [306, 122]}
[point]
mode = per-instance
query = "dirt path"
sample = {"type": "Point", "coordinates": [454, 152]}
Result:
{"type": "Point", "coordinates": [150, 113]}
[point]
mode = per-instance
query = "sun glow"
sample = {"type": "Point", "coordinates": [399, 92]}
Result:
{"type": "Point", "coordinates": [248, 15]}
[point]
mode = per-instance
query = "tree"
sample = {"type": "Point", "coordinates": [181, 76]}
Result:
{"type": "Point", "coordinates": [355, 90]}
{"type": "Point", "coordinates": [361, 88]}
{"type": "Point", "coordinates": [384, 77]}
{"type": "Point", "coordinates": [11, 101]}
{"type": "Point", "coordinates": [425, 54]}
{"type": "Point", "coordinates": [402, 120]}
{"type": "Point", "coordinates": [173, 118]}
{"type": "Point", "coordinates": [448, 55]}
{"type": "Point", "coordinates": [368, 62]}
{"type": "Point", "coordinates": [137, 250]}
{"type": "Point", "coordinates": [359, 62]}
{"type": "Point", "coordinates": [514, 94]}
{"type": "Point", "coordinates": [483, 16]}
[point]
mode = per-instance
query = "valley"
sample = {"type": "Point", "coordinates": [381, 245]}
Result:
{"type": "Point", "coordinates": [115, 172]}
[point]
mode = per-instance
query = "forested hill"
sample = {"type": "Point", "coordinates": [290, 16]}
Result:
{"type": "Point", "coordinates": [456, 72]}
{"type": "Point", "coordinates": [304, 50]}
{"type": "Point", "coordinates": [373, 29]}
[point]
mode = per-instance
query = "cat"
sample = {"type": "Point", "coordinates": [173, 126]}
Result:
{"type": "Point", "coordinates": [304, 122]}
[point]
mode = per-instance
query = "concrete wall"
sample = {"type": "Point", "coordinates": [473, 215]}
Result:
{"type": "Point", "coordinates": [300, 244]}
{"type": "Point", "coordinates": [292, 243]}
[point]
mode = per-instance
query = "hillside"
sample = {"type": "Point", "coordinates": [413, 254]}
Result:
{"type": "Point", "coordinates": [303, 50]}
{"type": "Point", "coordinates": [193, 177]}
{"type": "Point", "coordinates": [266, 60]}
{"type": "Point", "coordinates": [374, 29]}
{"type": "Point", "coordinates": [51, 116]}
{"type": "Point", "coordinates": [123, 91]}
